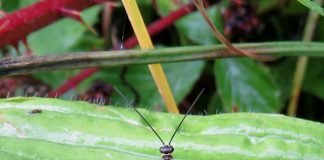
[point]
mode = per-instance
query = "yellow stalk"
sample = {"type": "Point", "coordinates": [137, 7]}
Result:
{"type": "Point", "coordinates": [145, 42]}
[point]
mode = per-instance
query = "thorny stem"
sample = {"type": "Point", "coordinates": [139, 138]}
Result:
{"type": "Point", "coordinates": [301, 65]}
{"type": "Point", "coordinates": [24, 65]}
{"type": "Point", "coordinates": [234, 50]}
{"type": "Point", "coordinates": [23, 22]}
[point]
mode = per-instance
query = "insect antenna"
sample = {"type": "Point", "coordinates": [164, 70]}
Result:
{"type": "Point", "coordinates": [140, 115]}
{"type": "Point", "coordinates": [189, 110]}
{"type": "Point", "coordinates": [149, 125]}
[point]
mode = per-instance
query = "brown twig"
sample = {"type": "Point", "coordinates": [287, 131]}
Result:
{"type": "Point", "coordinates": [234, 50]}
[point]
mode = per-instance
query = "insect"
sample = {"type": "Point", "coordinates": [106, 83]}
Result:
{"type": "Point", "coordinates": [167, 149]}
{"type": "Point", "coordinates": [34, 111]}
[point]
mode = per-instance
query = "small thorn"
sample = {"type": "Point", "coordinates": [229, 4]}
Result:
{"type": "Point", "coordinates": [29, 52]}
{"type": "Point", "coordinates": [76, 15]}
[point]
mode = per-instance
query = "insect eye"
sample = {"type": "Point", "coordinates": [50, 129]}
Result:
{"type": "Point", "coordinates": [166, 149]}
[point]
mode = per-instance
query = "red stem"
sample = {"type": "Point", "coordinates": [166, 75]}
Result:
{"type": "Point", "coordinates": [23, 22]}
{"type": "Point", "coordinates": [73, 82]}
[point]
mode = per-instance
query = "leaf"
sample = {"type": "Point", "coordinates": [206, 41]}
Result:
{"type": "Point", "coordinates": [69, 130]}
{"type": "Point", "coordinates": [165, 7]}
{"type": "Point", "coordinates": [215, 105]}
{"type": "Point", "coordinates": [265, 5]}
{"type": "Point", "coordinates": [9, 6]}
{"type": "Point", "coordinates": [312, 6]}
{"type": "Point", "coordinates": [314, 78]}
{"type": "Point", "coordinates": [194, 28]}
{"type": "Point", "coordinates": [25, 3]}
{"type": "Point", "coordinates": [247, 85]}
{"type": "Point", "coordinates": [181, 77]}
{"type": "Point", "coordinates": [283, 72]}
{"type": "Point", "coordinates": [62, 36]}
{"type": "Point", "coordinates": [319, 36]}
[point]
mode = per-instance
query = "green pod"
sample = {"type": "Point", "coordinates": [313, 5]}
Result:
{"type": "Point", "coordinates": [70, 130]}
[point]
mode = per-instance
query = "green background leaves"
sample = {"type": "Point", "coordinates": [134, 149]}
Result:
{"type": "Point", "coordinates": [256, 87]}
{"type": "Point", "coordinates": [246, 85]}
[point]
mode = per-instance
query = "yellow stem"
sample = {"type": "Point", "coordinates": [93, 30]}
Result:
{"type": "Point", "coordinates": [302, 63]}
{"type": "Point", "coordinates": [145, 42]}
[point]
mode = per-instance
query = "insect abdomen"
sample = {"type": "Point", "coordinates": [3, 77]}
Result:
{"type": "Point", "coordinates": [167, 157]}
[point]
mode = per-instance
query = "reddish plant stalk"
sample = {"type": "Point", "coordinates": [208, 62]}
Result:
{"type": "Point", "coordinates": [153, 29]}
{"type": "Point", "coordinates": [73, 82]}
{"type": "Point", "coordinates": [19, 24]}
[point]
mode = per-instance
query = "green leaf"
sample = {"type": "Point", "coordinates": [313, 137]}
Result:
{"type": "Point", "coordinates": [194, 28]}
{"type": "Point", "coordinates": [181, 77]}
{"type": "Point", "coordinates": [247, 85]}
{"type": "Point", "coordinates": [67, 130]}
{"type": "Point", "coordinates": [25, 3]}
{"type": "Point", "coordinates": [60, 37]}
{"type": "Point", "coordinates": [264, 5]}
{"type": "Point", "coordinates": [215, 104]}
{"type": "Point", "coordinates": [314, 78]}
{"type": "Point", "coordinates": [312, 6]}
{"type": "Point", "coordinates": [319, 36]}
{"type": "Point", "coordinates": [283, 73]}
{"type": "Point", "coordinates": [165, 7]}
{"type": "Point", "coordinates": [9, 5]}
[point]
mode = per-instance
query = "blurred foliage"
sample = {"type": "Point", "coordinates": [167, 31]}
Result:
{"type": "Point", "coordinates": [245, 84]}
{"type": "Point", "coordinates": [312, 6]}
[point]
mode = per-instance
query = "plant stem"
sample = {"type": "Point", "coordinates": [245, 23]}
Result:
{"type": "Point", "coordinates": [200, 7]}
{"type": "Point", "coordinates": [153, 29]}
{"type": "Point", "coordinates": [24, 65]}
{"type": "Point", "coordinates": [145, 42]}
{"type": "Point", "coordinates": [302, 63]}
{"type": "Point", "coordinates": [23, 22]}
